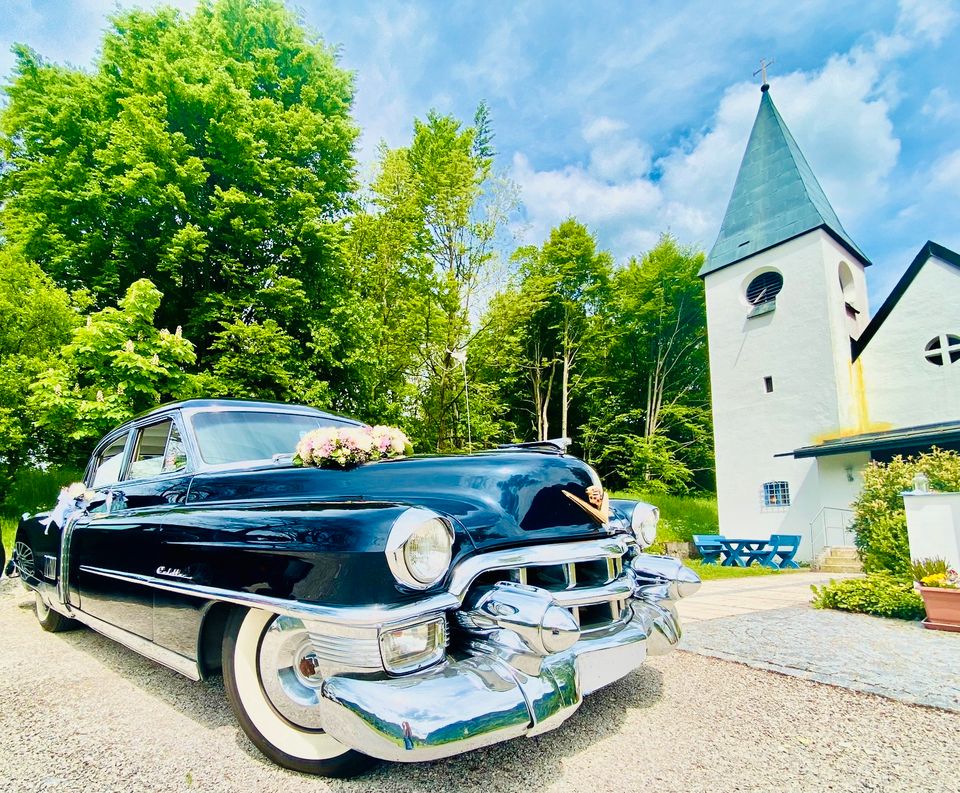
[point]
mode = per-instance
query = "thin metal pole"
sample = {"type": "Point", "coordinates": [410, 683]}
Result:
{"type": "Point", "coordinates": [466, 393]}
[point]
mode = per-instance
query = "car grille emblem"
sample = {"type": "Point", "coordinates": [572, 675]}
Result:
{"type": "Point", "coordinates": [598, 506]}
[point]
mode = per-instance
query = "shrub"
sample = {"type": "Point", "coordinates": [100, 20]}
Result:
{"type": "Point", "coordinates": [923, 568]}
{"type": "Point", "coordinates": [880, 594]}
{"type": "Point", "coordinates": [880, 522]}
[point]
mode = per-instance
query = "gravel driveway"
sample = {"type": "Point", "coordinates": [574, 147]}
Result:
{"type": "Point", "coordinates": [79, 712]}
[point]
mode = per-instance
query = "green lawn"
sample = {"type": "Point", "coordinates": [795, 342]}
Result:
{"type": "Point", "coordinates": [680, 516]}
{"type": "Point", "coordinates": [710, 572]}
{"type": "Point", "coordinates": [8, 526]}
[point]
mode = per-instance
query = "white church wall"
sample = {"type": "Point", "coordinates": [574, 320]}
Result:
{"type": "Point", "coordinates": [904, 389]}
{"type": "Point", "coordinates": [796, 346]}
{"type": "Point", "coordinates": [840, 480]}
{"type": "Point", "coordinates": [845, 283]}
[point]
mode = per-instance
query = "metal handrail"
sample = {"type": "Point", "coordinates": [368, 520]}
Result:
{"type": "Point", "coordinates": [823, 529]}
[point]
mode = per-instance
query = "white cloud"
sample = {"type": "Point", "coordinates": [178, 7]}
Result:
{"type": "Point", "coordinates": [573, 191]}
{"type": "Point", "coordinates": [840, 116]}
{"type": "Point", "coordinates": [945, 174]}
{"type": "Point", "coordinates": [929, 20]}
{"type": "Point", "coordinates": [602, 127]}
{"type": "Point", "coordinates": [940, 105]}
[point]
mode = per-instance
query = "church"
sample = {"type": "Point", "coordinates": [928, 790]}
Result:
{"type": "Point", "coordinates": [807, 385]}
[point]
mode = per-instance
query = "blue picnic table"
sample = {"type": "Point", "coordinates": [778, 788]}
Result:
{"type": "Point", "coordinates": [736, 552]}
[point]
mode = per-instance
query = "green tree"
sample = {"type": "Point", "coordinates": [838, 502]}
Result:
{"type": "Point", "coordinates": [115, 365]}
{"type": "Point", "coordinates": [210, 153]}
{"type": "Point", "coordinates": [649, 421]}
{"type": "Point", "coordinates": [37, 319]}
{"type": "Point", "coordinates": [424, 252]}
{"type": "Point", "coordinates": [551, 315]}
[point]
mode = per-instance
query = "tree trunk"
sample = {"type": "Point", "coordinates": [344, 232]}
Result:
{"type": "Point", "coordinates": [565, 386]}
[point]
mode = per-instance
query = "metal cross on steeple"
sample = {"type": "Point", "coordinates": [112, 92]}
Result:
{"type": "Point", "coordinates": [762, 71]}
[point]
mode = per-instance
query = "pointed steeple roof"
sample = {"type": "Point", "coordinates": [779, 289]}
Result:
{"type": "Point", "coordinates": [776, 196]}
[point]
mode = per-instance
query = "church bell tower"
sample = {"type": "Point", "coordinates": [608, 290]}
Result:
{"type": "Point", "coordinates": [785, 294]}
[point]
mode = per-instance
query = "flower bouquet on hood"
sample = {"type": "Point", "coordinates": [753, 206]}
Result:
{"type": "Point", "coordinates": [346, 447]}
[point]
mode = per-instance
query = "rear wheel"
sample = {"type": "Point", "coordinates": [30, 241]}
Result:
{"type": "Point", "coordinates": [270, 675]}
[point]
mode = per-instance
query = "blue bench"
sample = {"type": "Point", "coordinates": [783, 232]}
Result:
{"type": "Point", "coordinates": [778, 553]}
{"type": "Point", "coordinates": [708, 547]}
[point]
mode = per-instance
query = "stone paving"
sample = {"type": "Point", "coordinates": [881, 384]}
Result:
{"type": "Point", "coordinates": [893, 658]}
{"type": "Point", "coordinates": [728, 597]}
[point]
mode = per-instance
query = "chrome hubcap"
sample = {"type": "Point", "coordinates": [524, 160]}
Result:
{"type": "Point", "coordinates": [290, 672]}
{"type": "Point", "coordinates": [23, 559]}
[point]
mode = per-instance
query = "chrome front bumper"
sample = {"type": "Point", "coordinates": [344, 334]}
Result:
{"type": "Point", "coordinates": [485, 697]}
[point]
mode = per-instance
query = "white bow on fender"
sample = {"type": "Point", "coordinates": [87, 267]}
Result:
{"type": "Point", "coordinates": [73, 498]}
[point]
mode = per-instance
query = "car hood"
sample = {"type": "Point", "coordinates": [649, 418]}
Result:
{"type": "Point", "coordinates": [497, 498]}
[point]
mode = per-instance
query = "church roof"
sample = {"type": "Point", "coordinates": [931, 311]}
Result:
{"type": "Point", "coordinates": [776, 196]}
{"type": "Point", "coordinates": [904, 439]}
{"type": "Point", "coordinates": [929, 250]}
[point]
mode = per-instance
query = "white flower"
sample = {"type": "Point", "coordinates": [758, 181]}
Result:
{"type": "Point", "coordinates": [129, 345]}
{"type": "Point", "coordinates": [100, 396]}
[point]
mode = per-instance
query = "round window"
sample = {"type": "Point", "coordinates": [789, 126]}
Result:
{"type": "Point", "coordinates": [943, 349]}
{"type": "Point", "coordinates": [764, 288]}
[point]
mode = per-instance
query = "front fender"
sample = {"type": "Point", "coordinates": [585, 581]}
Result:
{"type": "Point", "coordinates": [319, 552]}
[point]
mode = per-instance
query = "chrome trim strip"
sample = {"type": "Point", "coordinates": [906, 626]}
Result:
{"type": "Point", "coordinates": [66, 538]}
{"type": "Point", "coordinates": [534, 556]}
{"type": "Point", "coordinates": [590, 596]}
{"type": "Point", "coordinates": [168, 658]}
{"type": "Point", "coordinates": [373, 616]}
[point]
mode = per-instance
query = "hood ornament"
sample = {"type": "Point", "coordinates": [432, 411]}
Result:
{"type": "Point", "coordinates": [598, 506]}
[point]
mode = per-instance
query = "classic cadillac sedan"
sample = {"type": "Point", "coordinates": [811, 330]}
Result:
{"type": "Point", "coordinates": [405, 609]}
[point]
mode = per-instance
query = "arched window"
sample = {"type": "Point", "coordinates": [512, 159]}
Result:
{"type": "Point", "coordinates": [764, 288]}
{"type": "Point", "coordinates": [849, 290]}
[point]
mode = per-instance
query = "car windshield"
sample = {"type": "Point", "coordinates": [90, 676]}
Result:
{"type": "Point", "coordinates": [233, 436]}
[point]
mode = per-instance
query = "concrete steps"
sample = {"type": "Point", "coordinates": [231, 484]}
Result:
{"type": "Point", "coordinates": [838, 560]}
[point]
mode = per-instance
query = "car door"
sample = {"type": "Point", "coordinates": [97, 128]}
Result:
{"type": "Point", "coordinates": [122, 536]}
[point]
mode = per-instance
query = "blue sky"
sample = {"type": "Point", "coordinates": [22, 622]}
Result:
{"type": "Point", "coordinates": [633, 116]}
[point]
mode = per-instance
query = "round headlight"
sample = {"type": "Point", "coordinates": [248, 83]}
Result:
{"type": "Point", "coordinates": [419, 548]}
{"type": "Point", "coordinates": [644, 523]}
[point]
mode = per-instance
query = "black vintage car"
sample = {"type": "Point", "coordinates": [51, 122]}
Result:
{"type": "Point", "coordinates": [406, 609]}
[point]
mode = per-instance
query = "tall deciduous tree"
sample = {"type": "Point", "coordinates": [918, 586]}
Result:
{"type": "Point", "coordinates": [115, 365]}
{"type": "Point", "coordinates": [565, 289]}
{"type": "Point", "coordinates": [439, 201]}
{"type": "Point", "coordinates": [650, 416]}
{"type": "Point", "coordinates": [211, 153]}
{"type": "Point", "coordinates": [37, 319]}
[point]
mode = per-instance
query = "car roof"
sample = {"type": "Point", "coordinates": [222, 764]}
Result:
{"type": "Point", "coordinates": [199, 405]}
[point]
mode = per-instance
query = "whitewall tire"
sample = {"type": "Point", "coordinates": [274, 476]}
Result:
{"type": "Point", "coordinates": [273, 700]}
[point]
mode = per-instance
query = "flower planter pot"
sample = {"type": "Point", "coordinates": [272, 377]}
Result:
{"type": "Point", "coordinates": [943, 608]}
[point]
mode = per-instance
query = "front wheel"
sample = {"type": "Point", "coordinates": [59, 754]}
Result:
{"type": "Point", "coordinates": [272, 683]}
{"type": "Point", "coordinates": [49, 619]}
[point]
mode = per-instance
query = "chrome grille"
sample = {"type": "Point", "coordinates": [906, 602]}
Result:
{"type": "Point", "coordinates": [595, 591]}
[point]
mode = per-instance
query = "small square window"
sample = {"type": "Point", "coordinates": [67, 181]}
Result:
{"type": "Point", "coordinates": [776, 494]}
{"type": "Point", "coordinates": [768, 385]}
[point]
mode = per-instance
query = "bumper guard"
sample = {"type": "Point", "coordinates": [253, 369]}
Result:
{"type": "Point", "coordinates": [487, 697]}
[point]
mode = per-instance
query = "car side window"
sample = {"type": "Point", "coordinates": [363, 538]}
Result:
{"type": "Point", "coordinates": [158, 449]}
{"type": "Point", "coordinates": [109, 462]}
